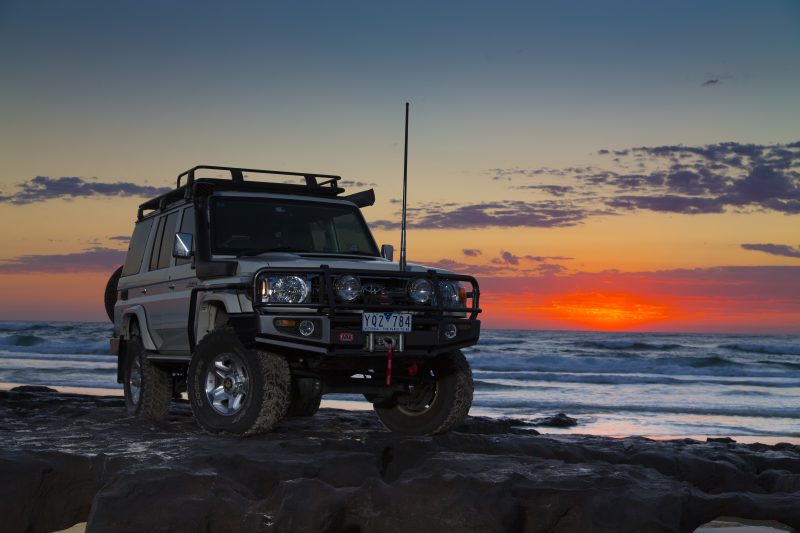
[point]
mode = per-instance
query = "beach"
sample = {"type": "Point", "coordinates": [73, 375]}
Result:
{"type": "Point", "coordinates": [614, 384]}
{"type": "Point", "coordinates": [69, 459]}
{"type": "Point", "coordinates": [680, 431]}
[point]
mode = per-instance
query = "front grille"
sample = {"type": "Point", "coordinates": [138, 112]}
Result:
{"type": "Point", "coordinates": [383, 291]}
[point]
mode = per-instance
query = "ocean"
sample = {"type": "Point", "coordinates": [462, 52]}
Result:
{"type": "Point", "coordinates": [619, 384]}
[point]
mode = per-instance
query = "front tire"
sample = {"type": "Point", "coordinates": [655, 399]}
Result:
{"type": "Point", "coordinates": [236, 390]}
{"type": "Point", "coordinates": [148, 388]}
{"type": "Point", "coordinates": [437, 405]}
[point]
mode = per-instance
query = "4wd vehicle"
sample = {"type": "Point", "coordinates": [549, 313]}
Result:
{"type": "Point", "coordinates": [258, 297]}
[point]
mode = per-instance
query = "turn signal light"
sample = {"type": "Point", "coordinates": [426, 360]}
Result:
{"type": "Point", "coordinates": [462, 295]}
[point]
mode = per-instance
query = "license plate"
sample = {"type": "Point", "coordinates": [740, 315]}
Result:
{"type": "Point", "coordinates": [386, 322]}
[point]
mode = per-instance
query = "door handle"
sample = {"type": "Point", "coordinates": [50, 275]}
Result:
{"type": "Point", "coordinates": [143, 291]}
{"type": "Point", "coordinates": [172, 286]}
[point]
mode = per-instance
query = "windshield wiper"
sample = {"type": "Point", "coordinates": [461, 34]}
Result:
{"type": "Point", "coordinates": [358, 252]}
{"type": "Point", "coordinates": [246, 253]}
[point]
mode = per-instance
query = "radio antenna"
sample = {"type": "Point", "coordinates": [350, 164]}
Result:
{"type": "Point", "coordinates": [405, 186]}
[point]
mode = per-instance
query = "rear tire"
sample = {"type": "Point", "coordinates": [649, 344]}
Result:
{"type": "Point", "coordinates": [148, 388]}
{"type": "Point", "coordinates": [436, 406]}
{"type": "Point", "coordinates": [306, 396]}
{"type": "Point", "coordinates": [236, 390]}
{"type": "Point", "coordinates": [110, 296]}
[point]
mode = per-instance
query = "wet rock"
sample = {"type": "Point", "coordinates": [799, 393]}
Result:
{"type": "Point", "coordinates": [559, 420]}
{"type": "Point", "coordinates": [724, 440]}
{"type": "Point", "coordinates": [33, 388]}
{"type": "Point", "coordinates": [492, 426]}
{"type": "Point", "coordinates": [70, 458]}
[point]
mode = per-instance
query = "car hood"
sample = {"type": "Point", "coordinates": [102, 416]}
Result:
{"type": "Point", "coordinates": [290, 261]}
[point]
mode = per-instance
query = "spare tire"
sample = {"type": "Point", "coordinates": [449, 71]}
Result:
{"type": "Point", "coordinates": [110, 297]}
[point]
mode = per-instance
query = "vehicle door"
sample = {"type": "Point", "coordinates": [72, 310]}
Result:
{"type": "Point", "coordinates": [156, 288]}
{"type": "Point", "coordinates": [182, 279]}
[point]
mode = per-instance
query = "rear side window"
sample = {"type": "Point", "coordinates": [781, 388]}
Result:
{"type": "Point", "coordinates": [156, 245]}
{"type": "Point", "coordinates": [162, 247]}
{"type": "Point", "coordinates": [187, 226]}
{"type": "Point", "coordinates": [133, 260]}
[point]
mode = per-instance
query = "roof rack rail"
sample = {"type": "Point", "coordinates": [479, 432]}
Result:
{"type": "Point", "coordinates": [237, 175]}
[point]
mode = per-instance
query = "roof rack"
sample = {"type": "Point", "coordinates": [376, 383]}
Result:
{"type": "Point", "coordinates": [315, 184]}
{"type": "Point", "coordinates": [237, 175]}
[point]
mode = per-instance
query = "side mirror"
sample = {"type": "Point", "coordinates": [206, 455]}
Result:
{"type": "Point", "coordinates": [182, 249]}
{"type": "Point", "coordinates": [387, 251]}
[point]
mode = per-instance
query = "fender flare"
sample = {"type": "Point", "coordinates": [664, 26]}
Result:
{"type": "Point", "coordinates": [138, 312]}
{"type": "Point", "coordinates": [229, 303]}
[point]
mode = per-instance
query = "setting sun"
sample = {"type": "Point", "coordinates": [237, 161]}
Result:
{"type": "Point", "coordinates": [607, 310]}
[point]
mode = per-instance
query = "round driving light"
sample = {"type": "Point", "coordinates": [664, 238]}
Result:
{"type": "Point", "coordinates": [306, 328]}
{"type": "Point", "coordinates": [450, 331]}
{"type": "Point", "coordinates": [449, 294]}
{"type": "Point", "coordinates": [348, 288]}
{"type": "Point", "coordinates": [421, 290]}
{"type": "Point", "coordinates": [288, 289]}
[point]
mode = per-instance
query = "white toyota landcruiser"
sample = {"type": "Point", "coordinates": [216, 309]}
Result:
{"type": "Point", "coordinates": [258, 297]}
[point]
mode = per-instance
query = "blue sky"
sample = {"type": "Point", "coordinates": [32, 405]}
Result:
{"type": "Point", "coordinates": [122, 96]}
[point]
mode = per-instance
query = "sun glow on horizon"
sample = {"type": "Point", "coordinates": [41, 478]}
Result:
{"type": "Point", "coordinates": [608, 311]}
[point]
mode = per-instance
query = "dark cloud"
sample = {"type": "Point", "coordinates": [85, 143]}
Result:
{"type": "Point", "coordinates": [695, 182]}
{"type": "Point", "coordinates": [93, 260]}
{"type": "Point", "coordinates": [548, 269]}
{"type": "Point", "coordinates": [542, 258]}
{"type": "Point", "coordinates": [669, 203]}
{"type": "Point", "coordinates": [555, 190]}
{"type": "Point", "coordinates": [352, 183]}
{"type": "Point", "coordinates": [712, 178]}
{"type": "Point", "coordinates": [713, 81]}
{"type": "Point", "coordinates": [499, 267]}
{"type": "Point", "coordinates": [471, 252]}
{"type": "Point", "coordinates": [465, 268]}
{"type": "Point", "coordinates": [765, 183]}
{"type": "Point", "coordinates": [515, 213]}
{"type": "Point", "coordinates": [42, 188]}
{"type": "Point", "coordinates": [123, 238]}
{"type": "Point", "coordinates": [508, 258]}
{"type": "Point", "coordinates": [775, 249]}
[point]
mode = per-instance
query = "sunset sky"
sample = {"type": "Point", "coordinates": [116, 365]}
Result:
{"type": "Point", "coordinates": [611, 165]}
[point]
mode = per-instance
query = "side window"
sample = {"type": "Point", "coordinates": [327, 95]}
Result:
{"type": "Point", "coordinates": [165, 254]}
{"type": "Point", "coordinates": [133, 260]}
{"type": "Point", "coordinates": [156, 245]}
{"type": "Point", "coordinates": [187, 226]}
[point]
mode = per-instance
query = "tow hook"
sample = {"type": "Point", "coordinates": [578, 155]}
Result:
{"type": "Point", "coordinates": [389, 352]}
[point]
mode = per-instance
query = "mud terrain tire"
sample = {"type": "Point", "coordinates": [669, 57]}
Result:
{"type": "Point", "coordinates": [235, 390]}
{"type": "Point", "coordinates": [447, 408]}
{"type": "Point", "coordinates": [306, 396]}
{"type": "Point", "coordinates": [148, 388]}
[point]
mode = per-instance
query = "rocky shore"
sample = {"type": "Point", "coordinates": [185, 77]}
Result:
{"type": "Point", "coordinates": [69, 458]}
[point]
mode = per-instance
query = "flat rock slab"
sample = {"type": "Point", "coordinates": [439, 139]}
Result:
{"type": "Point", "coordinates": [72, 458]}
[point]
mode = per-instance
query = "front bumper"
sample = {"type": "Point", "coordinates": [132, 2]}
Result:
{"type": "Point", "coordinates": [338, 325]}
{"type": "Point", "coordinates": [342, 335]}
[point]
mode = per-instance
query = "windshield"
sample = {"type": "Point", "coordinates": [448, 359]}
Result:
{"type": "Point", "coordinates": [250, 226]}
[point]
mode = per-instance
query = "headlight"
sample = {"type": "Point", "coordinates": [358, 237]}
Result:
{"type": "Point", "coordinates": [420, 290]}
{"type": "Point", "coordinates": [453, 294]}
{"type": "Point", "coordinates": [348, 288]}
{"type": "Point", "coordinates": [283, 289]}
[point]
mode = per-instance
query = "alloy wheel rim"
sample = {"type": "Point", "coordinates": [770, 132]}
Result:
{"type": "Point", "coordinates": [425, 399]}
{"type": "Point", "coordinates": [227, 384]}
